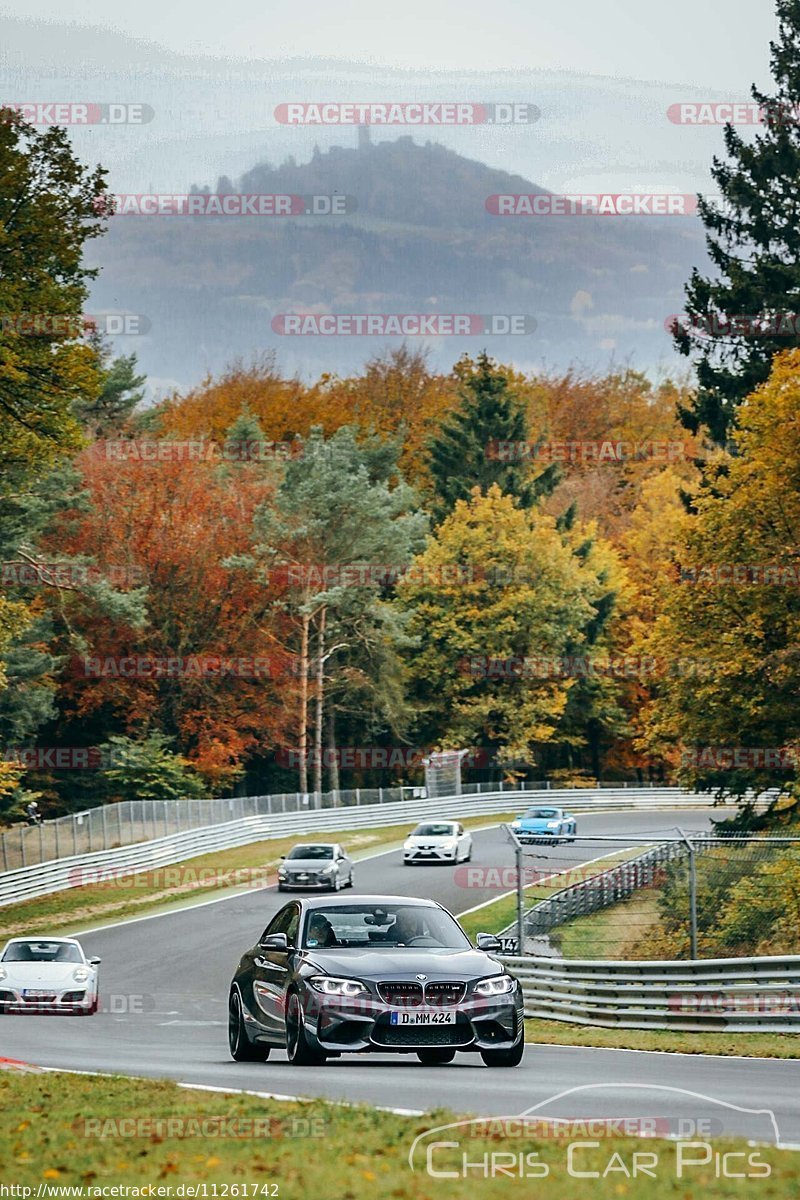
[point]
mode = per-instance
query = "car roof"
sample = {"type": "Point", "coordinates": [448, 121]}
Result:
{"type": "Point", "coordinates": [344, 901]}
{"type": "Point", "coordinates": [42, 937]}
{"type": "Point", "coordinates": [309, 843]}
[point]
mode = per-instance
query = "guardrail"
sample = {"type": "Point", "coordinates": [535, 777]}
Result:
{"type": "Point", "coordinates": [76, 870]}
{"type": "Point", "coordinates": [737, 994]}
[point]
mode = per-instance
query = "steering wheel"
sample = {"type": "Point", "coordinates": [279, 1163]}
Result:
{"type": "Point", "coordinates": [422, 939]}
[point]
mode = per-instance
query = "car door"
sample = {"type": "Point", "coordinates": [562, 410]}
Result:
{"type": "Point", "coordinates": [463, 842]}
{"type": "Point", "coordinates": [272, 970]}
{"type": "Point", "coordinates": [345, 865]}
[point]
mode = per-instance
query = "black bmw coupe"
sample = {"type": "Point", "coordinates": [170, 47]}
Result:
{"type": "Point", "coordinates": [387, 974]}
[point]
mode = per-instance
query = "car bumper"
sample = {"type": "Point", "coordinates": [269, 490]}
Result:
{"type": "Point", "coordinates": [430, 855]}
{"type": "Point", "coordinates": [539, 835]}
{"type": "Point", "coordinates": [308, 885]}
{"type": "Point", "coordinates": [73, 1000]}
{"type": "Point", "coordinates": [347, 1026]}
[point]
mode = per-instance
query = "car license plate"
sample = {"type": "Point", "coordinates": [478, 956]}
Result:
{"type": "Point", "coordinates": [36, 993]}
{"type": "Point", "coordinates": [422, 1018]}
{"type": "Point", "coordinates": [301, 875]}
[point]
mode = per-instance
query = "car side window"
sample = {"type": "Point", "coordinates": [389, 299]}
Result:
{"type": "Point", "coordinates": [292, 925]}
{"type": "Point", "coordinates": [279, 922]}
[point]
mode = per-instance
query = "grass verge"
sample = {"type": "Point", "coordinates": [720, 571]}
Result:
{"type": "Point", "coordinates": [66, 1131]}
{"type": "Point", "coordinates": [675, 1041]}
{"type": "Point", "coordinates": [251, 866]}
{"type": "Point", "coordinates": [611, 932]}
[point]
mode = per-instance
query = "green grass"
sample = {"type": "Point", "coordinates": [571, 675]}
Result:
{"type": "Point", "coordinates": [610, 932]}
{"type": "Point", "coordinates": [756, 1045]}
{"type": "Point", "coordinates": [195, 879]}
{"type": "Point", "coordinates": [314, 1149]}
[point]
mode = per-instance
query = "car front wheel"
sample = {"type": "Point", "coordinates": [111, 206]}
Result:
{"type": "Point", "coordinates": [242, 1049]}
{"type": "Point", "coordinates": [298, 1050]}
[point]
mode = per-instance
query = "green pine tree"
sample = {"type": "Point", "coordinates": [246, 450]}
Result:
{"type": "Point", "coordinates": [753, 240]}
{"type": "Point", "coordinates": [464, 453]}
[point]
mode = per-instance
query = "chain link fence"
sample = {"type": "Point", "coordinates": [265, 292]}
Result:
{"type": "Point", "coordinates": [693, 895]}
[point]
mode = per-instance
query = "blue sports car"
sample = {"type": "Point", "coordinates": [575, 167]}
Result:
{"type": "Point", "coordinates": [545, 825]}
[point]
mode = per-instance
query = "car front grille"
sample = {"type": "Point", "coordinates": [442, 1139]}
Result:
{"type": "Point", "coordinates": [444, 992]}
{"type": "Point", "coordinates": [401, 993]}
{"type": "Point", "coordinates": [48, 999]}
{"type": "Point", "coordinates": [422, 1035]}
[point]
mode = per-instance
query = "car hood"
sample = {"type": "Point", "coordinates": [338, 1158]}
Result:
{"type": "Point", "coordinates": [32, 974]}
{"type": "Point", "coordinates": [537, 822]}
{"type": "Point", "coordinates": [402, 964]}
{"type": "Point", "coordinates": [433, 839]}
{"type": "Point", "coordinates": [308, 864]}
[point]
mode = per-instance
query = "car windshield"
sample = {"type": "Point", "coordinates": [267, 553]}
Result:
{"type": "Point", "coordinates": [442, 829]}
{"type": "Point", "coordinates": [42, 952]}
{"type": "Point", "coordinates": [541, 813]}
{"type": "Point", "coordinates": [311, 852]}
{"type": "Point", "coordinates": [395, 926]}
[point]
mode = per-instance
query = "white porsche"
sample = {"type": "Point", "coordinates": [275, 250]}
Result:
{"type": "Point", "coordinates": [47, 975]}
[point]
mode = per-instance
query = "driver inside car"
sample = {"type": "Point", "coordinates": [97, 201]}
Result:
{"type": "Point", "coordinates": [406, 928]}
{"type": "Point", "coordinates": [320, 931]}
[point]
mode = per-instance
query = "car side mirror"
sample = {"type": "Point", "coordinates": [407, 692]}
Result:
{"type": "Point", "coordinates": [488, 941]}
{"type": "Point", "coordinates": [283, 856]}
{"type": "Point", "coordinates": [95, 962]}
{"type": "Point", "coordinates": [275, 941]}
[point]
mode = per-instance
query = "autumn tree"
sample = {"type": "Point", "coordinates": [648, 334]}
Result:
{"type": "Point", "coordinates": [734, 603]}
{"type": "Point", "coordinates": [340, 504]}
{"type": "Point", "coordinates": [496, 584]}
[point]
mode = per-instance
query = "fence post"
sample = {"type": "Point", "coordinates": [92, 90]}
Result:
{"type": "Point", "coordinates": [41, 843]}
{"type": "Point", "coordinates": [105, 827]}
{"type": "Point", "coordinates": [22, 846]}
{"type": "Point", "coordinates": [358, 795]}
{"type": "Point", "coordinates": [692, 893]}
{"type": "Point", "coordinates": [74, 834]}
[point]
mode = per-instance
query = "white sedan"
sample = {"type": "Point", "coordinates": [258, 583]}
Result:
{"type": "Point", "coordinates": [47, 975]}
{"type": "Point", "coordinates": [437, 841]}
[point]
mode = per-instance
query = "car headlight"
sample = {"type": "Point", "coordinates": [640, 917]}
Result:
{"type": "Point", "coordinates": [516, 824]}
{"type": "Point", "coordinates": [449, 845]}
{"type": "Point", "coordinates": [80, 974]}
{"type": "Point", "coordinates": [282, 872]}
{"type": "Point", "coordinates": [553, 824]}
{"type": "Point", "coordinates": [497, 985]}
{"type": "Point", "coordinates": [332, 985]}
{"type": "Point", "coordinates": [409, 845]}
{"type": "Point", "coordinates": [3, 973]}
{"type": "Point", "coordinates": [328, 870]}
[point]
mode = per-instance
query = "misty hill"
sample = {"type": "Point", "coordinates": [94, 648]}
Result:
{"type": "Point", "coordinates": [420, 241]}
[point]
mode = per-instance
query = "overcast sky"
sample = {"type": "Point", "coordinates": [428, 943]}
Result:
{"type": "Point", "coordinates": [700, 42]}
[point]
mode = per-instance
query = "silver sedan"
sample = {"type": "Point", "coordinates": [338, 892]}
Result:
{"type": "Point", "coordinates": [315, 865]}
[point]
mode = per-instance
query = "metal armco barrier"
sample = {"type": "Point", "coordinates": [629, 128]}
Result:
{"type": "Point", "coordinates": [59, 874]}
{"type": "Point", "coordinates": [737, 994]}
